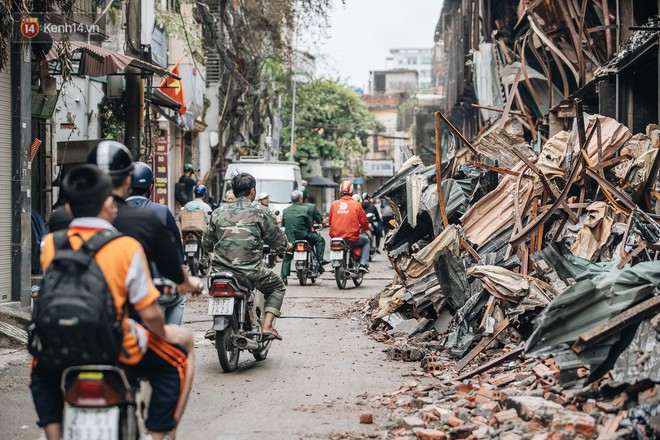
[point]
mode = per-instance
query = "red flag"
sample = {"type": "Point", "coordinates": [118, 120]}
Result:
{"type": "Point", "coordinates": [174, 89]}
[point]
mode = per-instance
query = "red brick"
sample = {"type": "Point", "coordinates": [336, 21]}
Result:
{"type": "Point", "coordinates": [542, 371]}
{"type": "Point", "coordinates": [502, 379]}
{"type": "Point", "coordinates": [454, 421]}
{"type": "Point", "coordinates": [464, 387]}
{"type": "Point", "coordinates": [484, 395]}
{"type": "Point", "coordinates": [490, 406]}
{"type": "Point", "coordinates": [573, 422]}
{"type": "Point", "coordinates": [430, 434]}
{"type": "Point", "coordinates": [366, 418]}
{"type": "Point", "coordinates": [506, 416]}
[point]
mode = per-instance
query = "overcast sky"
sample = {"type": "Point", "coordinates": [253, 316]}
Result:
{"type": "Point", "coordinates": [361, 33]}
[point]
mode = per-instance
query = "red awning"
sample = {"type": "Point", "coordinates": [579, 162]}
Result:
{"type": "Point", "coordinates": [97, 61]}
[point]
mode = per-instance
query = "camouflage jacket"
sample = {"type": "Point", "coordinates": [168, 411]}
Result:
{"type": "Point", "coordinates": [237, 233]}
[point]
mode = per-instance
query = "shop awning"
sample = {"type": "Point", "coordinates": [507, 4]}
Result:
{"type": "Point", "coordinates": [97, 61]}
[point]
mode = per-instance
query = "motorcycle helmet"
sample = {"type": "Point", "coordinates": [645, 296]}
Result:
{"type": "Point", "coordinates": [112, 157]}
{"type": "Point", "coordinates": [143, 177]}
{"type": "Point", "coordinates": [346, 187]}
{"type": "Point", "coordinates": [200, 190]}
{"type": "Point", "coordinates": [188, 167]}
{"type": "Point", "coordinates": [365, 196]}
{"type": "Point", "coordinates": [263, 195]}
{"type": "Point", "coordinates": [356, 197]}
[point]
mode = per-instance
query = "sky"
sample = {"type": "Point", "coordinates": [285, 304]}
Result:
{"type": "Point", "coordinates": [361, 33]}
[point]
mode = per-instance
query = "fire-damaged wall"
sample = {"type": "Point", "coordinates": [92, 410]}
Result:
{"type": "Point", "coordinates": [541, 55]}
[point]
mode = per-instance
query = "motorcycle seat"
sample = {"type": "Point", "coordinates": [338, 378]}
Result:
{"type": "Point", "coordinates": [242, 282]}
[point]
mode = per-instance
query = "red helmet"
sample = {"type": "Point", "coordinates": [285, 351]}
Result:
{"type": "Point", "coordinates": [346, 187]}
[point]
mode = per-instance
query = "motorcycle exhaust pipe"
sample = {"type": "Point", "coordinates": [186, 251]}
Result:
{"type": "Point", "coordinates": [246, 344]}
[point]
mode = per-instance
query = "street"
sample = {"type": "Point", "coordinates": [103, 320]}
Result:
{"type": "Point", "coordinates": [313, 385]}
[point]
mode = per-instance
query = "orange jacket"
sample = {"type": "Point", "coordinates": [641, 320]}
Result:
{"type": "Point", "coordinates": [347, 218]}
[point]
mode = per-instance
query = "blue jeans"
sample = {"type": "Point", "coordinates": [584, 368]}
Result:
{"type": "Point", "coordinates": [366, 246]}
{"type": "Point", "coordinates": [173, 306]}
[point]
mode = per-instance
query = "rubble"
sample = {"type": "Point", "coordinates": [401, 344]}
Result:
{"type": "Point", "coordinates": [533, 305]}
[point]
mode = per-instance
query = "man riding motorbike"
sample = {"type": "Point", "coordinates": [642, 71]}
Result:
{"type": "Point", "coordinates": [370, 208]}
{"type": "Point", "coordinates": [297, 223]}
{"type": "Point", "coordinates": [199, 203]}
{"type": "Point", "coordinates": [347, 220]}
{"type": "Point", "coordinates": [236, 235]}
{"type": "Point", "coordinates": [142, 224]}
{"type": "Point", "coordinates": [161, 353]}
{"type": "Point", "coordinates": [141, 188]}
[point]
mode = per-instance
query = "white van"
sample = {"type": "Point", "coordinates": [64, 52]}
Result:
{"type": "Point", "coordinates": [278, 179]}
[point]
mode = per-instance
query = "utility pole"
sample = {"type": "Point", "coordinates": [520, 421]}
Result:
{"type": "Point", "coordinates": [134, 93]}
{"type": "Point", "coordinates": [295, 84]}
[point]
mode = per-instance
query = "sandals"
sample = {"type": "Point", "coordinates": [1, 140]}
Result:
{"type": "Point", "coordinates": [269, 336]}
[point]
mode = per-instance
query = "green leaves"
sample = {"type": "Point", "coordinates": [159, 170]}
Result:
{"type": "Point", "coordinates": [331, 122]}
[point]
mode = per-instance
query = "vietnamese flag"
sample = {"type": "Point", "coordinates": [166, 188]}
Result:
{"type": "Point", "coordinates": [174, 89]}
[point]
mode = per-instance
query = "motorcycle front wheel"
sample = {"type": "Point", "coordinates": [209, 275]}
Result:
{"type": "Point", "coordinates": [228, 352]}
{"type": "Point", "coordinates": [261, 355]}
{"type": "Point", "coordinates": [340, 277]}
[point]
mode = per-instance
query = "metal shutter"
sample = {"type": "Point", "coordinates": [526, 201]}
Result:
{"type": "Point", "coordinates": [5, 187]}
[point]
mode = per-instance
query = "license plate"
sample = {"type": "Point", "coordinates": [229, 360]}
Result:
{"type": "Point", "coordinates": [336, 255]}
{"type": "Point", "coordinates": [192, 247]}
{"type": "Point", "coordinates": [86, 423]}
{"type": "Point", "coordinates": [221, 306]}
{"type": "Point", "coordinates": [300, 256]}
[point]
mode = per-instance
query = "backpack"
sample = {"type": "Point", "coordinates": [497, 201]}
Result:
{"type": "Point", "coordinates": [180, 193]}
{"type": "Point", "coordinates": [74, 320]}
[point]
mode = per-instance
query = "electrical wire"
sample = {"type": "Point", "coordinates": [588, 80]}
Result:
{"type": "Point", "coordinates": [185, 32]}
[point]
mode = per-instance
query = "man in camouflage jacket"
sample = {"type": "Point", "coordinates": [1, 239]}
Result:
{"type": "Point", "coordinates": [236, 235]}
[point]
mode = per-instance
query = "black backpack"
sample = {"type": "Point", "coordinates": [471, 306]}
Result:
{"type": "Point", "coordinates": [180, 193]}
{"type": "Point", "coordinates": [74, 320]}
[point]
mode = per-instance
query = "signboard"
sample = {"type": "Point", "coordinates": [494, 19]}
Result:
{"type": "Point", "coordinates": [378, 168]}
{"type": "Point", "coordinates": [160, 169]}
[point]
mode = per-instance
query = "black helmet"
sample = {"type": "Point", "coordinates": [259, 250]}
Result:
{"type": "Point", "coordinates": [143, 177]}
{"type": "Point", "coordinates": [112, 157]}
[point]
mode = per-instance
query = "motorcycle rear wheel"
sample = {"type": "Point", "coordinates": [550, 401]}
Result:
{"type": "Point", "coordinates": [228, 352]}
{"type": "Point", "coordinates": [193, 264]}
{"type": "Point", "coordinates": [302, 277]}
{"type": "Point", "coordinates": [340, 277]}
{"type": "Point", "coordinates": [358, 280]}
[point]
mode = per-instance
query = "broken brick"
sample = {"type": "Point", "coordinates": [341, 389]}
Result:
{"type": "Point", "coordinates": [413, 422]}
{"type": "Point", "coordinates": [568, 422]}
{"type": "Point", "coordinates": [430, 434]}
{"type": "Point", "coordinates": [542, 371]}
{"type": "Point", "coordinates": [502, 379]}
{"type": "Point", "coordinates": [366, 418]}
{"type": "Point", "coordinates": [529, 406]}
{"type": "Point", "coordinates": [454, 421]}
{"type": "Point", "coordinates": [506, 416]}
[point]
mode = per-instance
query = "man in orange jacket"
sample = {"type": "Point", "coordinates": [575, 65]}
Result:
{"type": "Point", "coordinates": [347, 220]}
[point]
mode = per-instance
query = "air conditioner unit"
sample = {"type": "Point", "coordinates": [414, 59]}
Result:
{"type": "Point", "coordinates": [115, 86]}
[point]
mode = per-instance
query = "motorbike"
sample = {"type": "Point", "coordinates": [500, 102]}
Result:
{"type": "Point", "coordinates": [269, 258]}
{"type": "Point", "coordinates": [304, 256]}
{"type": "Point", "coordinates": [238, 311]}
{"type": "Point", "coordinates": [197, 260]}
{"type": "Point", "coordinates": [345, 262]}
{"type": "Point", "coordinates": [168, 299]}
{"type": "Point", "coordinates": [373, 224]}
{"type": "Point", "coordinates": [100, 402]}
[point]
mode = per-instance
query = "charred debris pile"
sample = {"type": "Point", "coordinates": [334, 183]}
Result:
{"type": "Point", "coordinates": [528, 285]}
